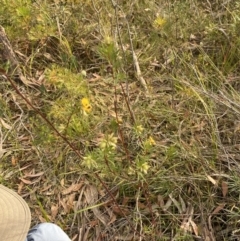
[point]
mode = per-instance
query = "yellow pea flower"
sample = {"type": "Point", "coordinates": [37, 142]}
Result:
{"type": "Point", "coordinates": [86, 106]}
{"type": "Point", "coordinates": [159, 22]}
{"type": "Point", "coordinates": [108, 40]}
{"type": "Point", "coordinates": [89, 162]}
{"type": "Point", "coordinates": [131, 171]}
{"type": "Point", "coordinates": [110, 141]}
{"type": "Point", "coordinates": [151, 141]}
{"type": "Point", "coordinates": [139, 129]}
{"type": "Point", "coordinates": [144, 167]}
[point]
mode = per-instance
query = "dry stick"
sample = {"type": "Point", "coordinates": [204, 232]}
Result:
{"type": "Point", "coordinates": [139, 214]}
{"type": "Point", "coordinates": [135, 59]}
{"type": "Point", "coordinates": [126, 93]}
{"type": "Point", "coordinates": [119, 128]}
{"type": "Point", "coordinates": [138, 71]}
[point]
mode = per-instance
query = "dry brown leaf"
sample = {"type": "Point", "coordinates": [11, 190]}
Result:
{"type": "Point", "coordinates": [116, 116]}
{"type": "Point", "coordinates": [194, 227]}
{"type": "Point", "coordinates": [183, 205]}
{"type": "Point", "coordinates": [5, 125]}
{"type": "Point", "coordinates": [93, 223]}
{"type": "Point", "coordinates": [62, 182]}
{"type": "Point", "coordinates": [185, 226]}
{"type": "Point", "coordinates": [72, 188]}
{"type": "Point", "coordinates": [70, 201]}
{"type": "Point", "coordinates": [124, 237]}
{"type": "Point", "coordinates": [54, 211]}
{"type": "Point", "coordinates": [91, 195]}
{"type": "Point", "coordinates": [20, 187]}
{"type": "Point", "coordinates": [34, 175]}
{"type": "Point", "coordinates": [125, 201]}
{"type": "Point", "coordinates": [14, 161]}
{"type": "Point", "coordinates": [113, 218]}
{"type": "Point", "coordinates": [25, 167]}
{"type": "Point", "coordinates": [63, 202]}
{"type": "Point", "coordinates": [186, 223]}
{"type": "Point", "coordinates": [218, 208]}
{"type": "Point", "coordinates": [141, 205]}
{"type": "Point", "coordinates": [86, 232]}
{"type": "Point", "coordinates": [44, 189]}
{"type": "Point", "coordinates": [214, 182]}
{"type": "Point", "coordinates": [26, 181]}
{"type": "Point", "coordinates": [96, 77]}
{"type": "Point", "coordinates": [75, 237]}
{"type": "Point", "coordinates": [167, 205]}
{"type": "Point", "coordinates": [13, 96]}
{"type": "Point", "coordinates": [224, 188]}
{"type": "Point", "coordinates": [120, 211]}
{"type": "Point", "coordinates": [42, 219]}
{"type": "Point", "coordinates": [176, 203]}
{"type": "Point", "coordinates": [160, 201]}
{"type": "Point", "coordinates": [2, 151]}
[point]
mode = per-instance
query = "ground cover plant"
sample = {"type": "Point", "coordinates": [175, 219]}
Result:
{"type": "Point", "coordinates": [124, 123]}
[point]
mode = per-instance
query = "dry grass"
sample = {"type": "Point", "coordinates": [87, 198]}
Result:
{"type": "Point", "coordinates": [143, 101]}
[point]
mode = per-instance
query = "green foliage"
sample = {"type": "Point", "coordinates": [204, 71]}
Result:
{"type": "Point", "coordinates": [66, 110]}
{"type": "Point", "coordinates": [162, 153]}
{"type": "Point", "coordinates": [108, 51]}
{"type": "Point", "coordinates": [66, 80]}
{"type": "Point", "coordinates": [45, 135]}
{"type": "Point", "coordinates": [23, 18]}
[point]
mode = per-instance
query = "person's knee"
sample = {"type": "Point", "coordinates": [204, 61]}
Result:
{"type": "Point", "coordinates": [47, 232]}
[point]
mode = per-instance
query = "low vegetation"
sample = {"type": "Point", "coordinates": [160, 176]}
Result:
{"type": "Point", "coordinates": [128, 126]}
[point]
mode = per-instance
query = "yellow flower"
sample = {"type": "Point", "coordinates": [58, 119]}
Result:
{"type": "Point", "coordinates": [86, 106]}
{"type": "Point", "coordinates": [108, 39]}
{"type": "Point", "coordinates": [109, 142]}
{"type": "Point", "coordinates": [144, 167]}
{"type": "Point", "coordinates": [89, 162]}
{"type": "Point", "coordinates": [159, 22]}
{"type": "Point", "coordinates": [131, 171]}
{"type": "Point", "coordinates": [84, 73]}
{"type": "Point", "coordinates": [151, 141]}
{"type": "Point", "coordinates": [139, 129]}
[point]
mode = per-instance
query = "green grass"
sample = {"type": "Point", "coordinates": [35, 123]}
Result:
{"type": "Point", "coordinates": [144, 148]}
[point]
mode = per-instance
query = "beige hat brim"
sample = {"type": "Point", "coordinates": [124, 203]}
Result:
{"type": "Point", "coordinates": [15, 217]}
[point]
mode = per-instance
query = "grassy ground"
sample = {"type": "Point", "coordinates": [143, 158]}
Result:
{"type": "Point", "coordinates": [144, 109]}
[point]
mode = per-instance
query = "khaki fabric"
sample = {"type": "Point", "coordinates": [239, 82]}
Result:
{"type": "Point", "coordinates": [15, 217]}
